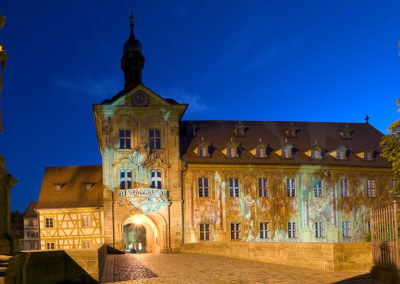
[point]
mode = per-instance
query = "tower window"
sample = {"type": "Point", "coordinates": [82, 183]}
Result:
{"type": "Point", "coordinates": [291, 187]}
{"type": "Point", "coordinates": [263, 187]}
{"type": "Point", "coordinates": [155, 139]}
{"type": "Point", "coordinates": [233, 187]}
{"type": "Point", "coordinates": [124, 139]}
{"type": "Point", "coordinates": [155, 179]}
{"type": "Point", "coordinates": [125, 178]}
{"type": "Point", "coordinates": [203, 187]}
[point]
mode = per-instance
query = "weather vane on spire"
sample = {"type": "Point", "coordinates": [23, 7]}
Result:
{"type": "Point", "coordinates": [366, 119]}
{"type": "Point", "coordinates": [131, 23]}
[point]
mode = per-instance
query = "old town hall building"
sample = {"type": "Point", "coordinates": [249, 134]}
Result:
{"type": "Point", "coordinates": [164, 181]}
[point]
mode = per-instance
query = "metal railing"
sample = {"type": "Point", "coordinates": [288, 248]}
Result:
{"type": "Point", "coordinates": [385, 236]}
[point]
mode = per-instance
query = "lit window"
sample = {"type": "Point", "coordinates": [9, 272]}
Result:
{"type": "Point", "coordinates": [319, 230]}
{"type": "Point", "coordinates": [155, 179]}
{"type": "Point", "coordinates": [233, 187]}
{"type": "Point", "coordinates": [125, 179]}
{"type": "Point", "coordinates": [318, 189]}
{"type": "Point", "coordinates": [264, 230]}
{"type": "Point", "coordinates": [344, 189]}
{"type": "Point", "coordinates": [86, 244]}
{"type": "Point", "coordinates": [203, 187]}
{"type": "Point", "coordinates": [88, 186]}
{"type": "Point", "coordinates": [124, 139]}
{"type": "Point", "coordinates": [263, 187]}
{"type": "Point", "coordinates": [292, 230]}
{"type": "Point", "coordinates": [49, 223]}
{"type": "Point", "coordinates": [86, 221]}
{"type": "Point", "coordinates": [370, 188]}
{"type": "Point", "coordinates": [346, 228]}
{"type": "Point", "coordinates": [235, 231]}
{"type": "Point", "coordinates": [58, 187]}
{"type": "Point", "coordinates": [204, 232]}
{"type": "Point", "coordinates": [291, 187]}
{"type": "Point", "coordinates": [316, 154]}
{"type": "Point", "coordinates": [155, 139]}
{"type": "Point", "coordinates": [50, 245]}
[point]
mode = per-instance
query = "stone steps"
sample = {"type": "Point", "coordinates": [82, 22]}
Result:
{"type": "Point", "coordinates": [4, 259]}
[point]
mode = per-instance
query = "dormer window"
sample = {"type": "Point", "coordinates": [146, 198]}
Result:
{"type": "Point", "coordinates": [88, 186]}
{"type": "Point", "coordinates": [341, 154]}
{"type": "Point", "coordinates": [369, 155]}
{"type": "Point", "coordinates": [203, 151]}
{"type": "Point", "coordinates": [287, 151]}
{"type": "Point", "coordinates": [291, 132]}
{"type": "Point", "coordinates": [239, 129]}
{"type": "Point", "coordinates": [346, 133]}
{"type": "Point", "coordinates": [231, 153]}
{"type": "Point", "coordinates": [58, 187]}
{"type": "Point", "coordinates": [260, 152]}
{"type": "Point", "coordinates": [316, 153]}
{"type": "Point", "coordinates": [232, 150]}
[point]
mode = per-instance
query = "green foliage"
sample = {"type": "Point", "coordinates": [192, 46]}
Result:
{"type": "Point", "coordinates": [367, 237]}
{"type": "Point", "coordinates": [391, 151]}
{"type": "Point", "coordinates": [17, 217]}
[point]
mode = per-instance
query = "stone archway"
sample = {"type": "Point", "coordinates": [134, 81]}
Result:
{"type": "Point", "coordinates": [141, 234]}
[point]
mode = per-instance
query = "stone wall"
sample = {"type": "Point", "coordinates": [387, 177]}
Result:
{"type": "Point", "coordinates": [323, 256]}
{"type": "Point", "coordinates": [58, 266]}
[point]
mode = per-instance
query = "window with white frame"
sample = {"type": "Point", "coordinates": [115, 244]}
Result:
{"type": "Point", "coordinates": [263, 187]}
{"type": "Point", "coordinates": [154, 139]}
{"type": "Point", "coordinates": [344, 189]}
{"type": "Point", "coordinates": [125, 179]}
{"type": "Point", "coordinates": [346, 229]}
{"type": "Point", "coordinates": [204, 232]}
{"type": "Point", "coordinates": [287, 152]}
{"type": "Point", "coordinates": [49, 223]}
{"type": "Point", "coordinates": [319, 230]}
{"type": "Point", "coordinates": [233, 187]}
{"type": "Point", "coordinates": [292, 230]}
{"type": "Point", "coordinates": [370, 188]}
{"type": "Point", "coordinates": [264, 230]}
{"type": "Point", "coordinates": [50, 245]}
{"type": "Point", "coordinates": [318, 189]}
{"type": "Point", "coordinates": [291, 187]}
{"type": "Point", "coordinates": [203, 187]}
{"type": "Point", "coordinates": [235, 231]}
{"type": "Point", "coordinates": [124, 139]}
{"type": "Point", "coordinates": [86, 221]}
{"type": "Point", "coordinates": [155, 179]}
{"type": "Point", "coordinates": [86, 244]}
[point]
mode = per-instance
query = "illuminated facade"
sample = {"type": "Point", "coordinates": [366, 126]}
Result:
{"type": "Point", "coordinates": [164, 181]}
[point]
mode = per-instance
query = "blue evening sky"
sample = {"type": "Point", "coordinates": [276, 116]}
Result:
{"type": "Point", "coordinates": [232, 60]}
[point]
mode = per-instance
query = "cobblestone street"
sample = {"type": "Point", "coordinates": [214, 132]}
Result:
{"type": "Point", "coordinates": [197, 268]}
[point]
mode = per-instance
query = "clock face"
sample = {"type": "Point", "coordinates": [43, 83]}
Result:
{"type": "Point", "coordinates": [140, 99]}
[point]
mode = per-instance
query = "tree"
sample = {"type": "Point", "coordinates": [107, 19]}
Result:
{"type": "Point", "coordinates": [391, 151]}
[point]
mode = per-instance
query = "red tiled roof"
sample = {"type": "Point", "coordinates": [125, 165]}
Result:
{"type": "Point", "coordinates": [73, 194]}
{"type": "Point", "coordinates": [219, 133]}
{"type": "Point", "coordinates": [30, 211]}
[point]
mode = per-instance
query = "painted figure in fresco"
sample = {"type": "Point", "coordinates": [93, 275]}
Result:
{"type": "Point", "coordinates": [3, 58]}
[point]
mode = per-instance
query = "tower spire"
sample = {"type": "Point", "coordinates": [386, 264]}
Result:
{"type": "Point", "coordinates": [132, 61]}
